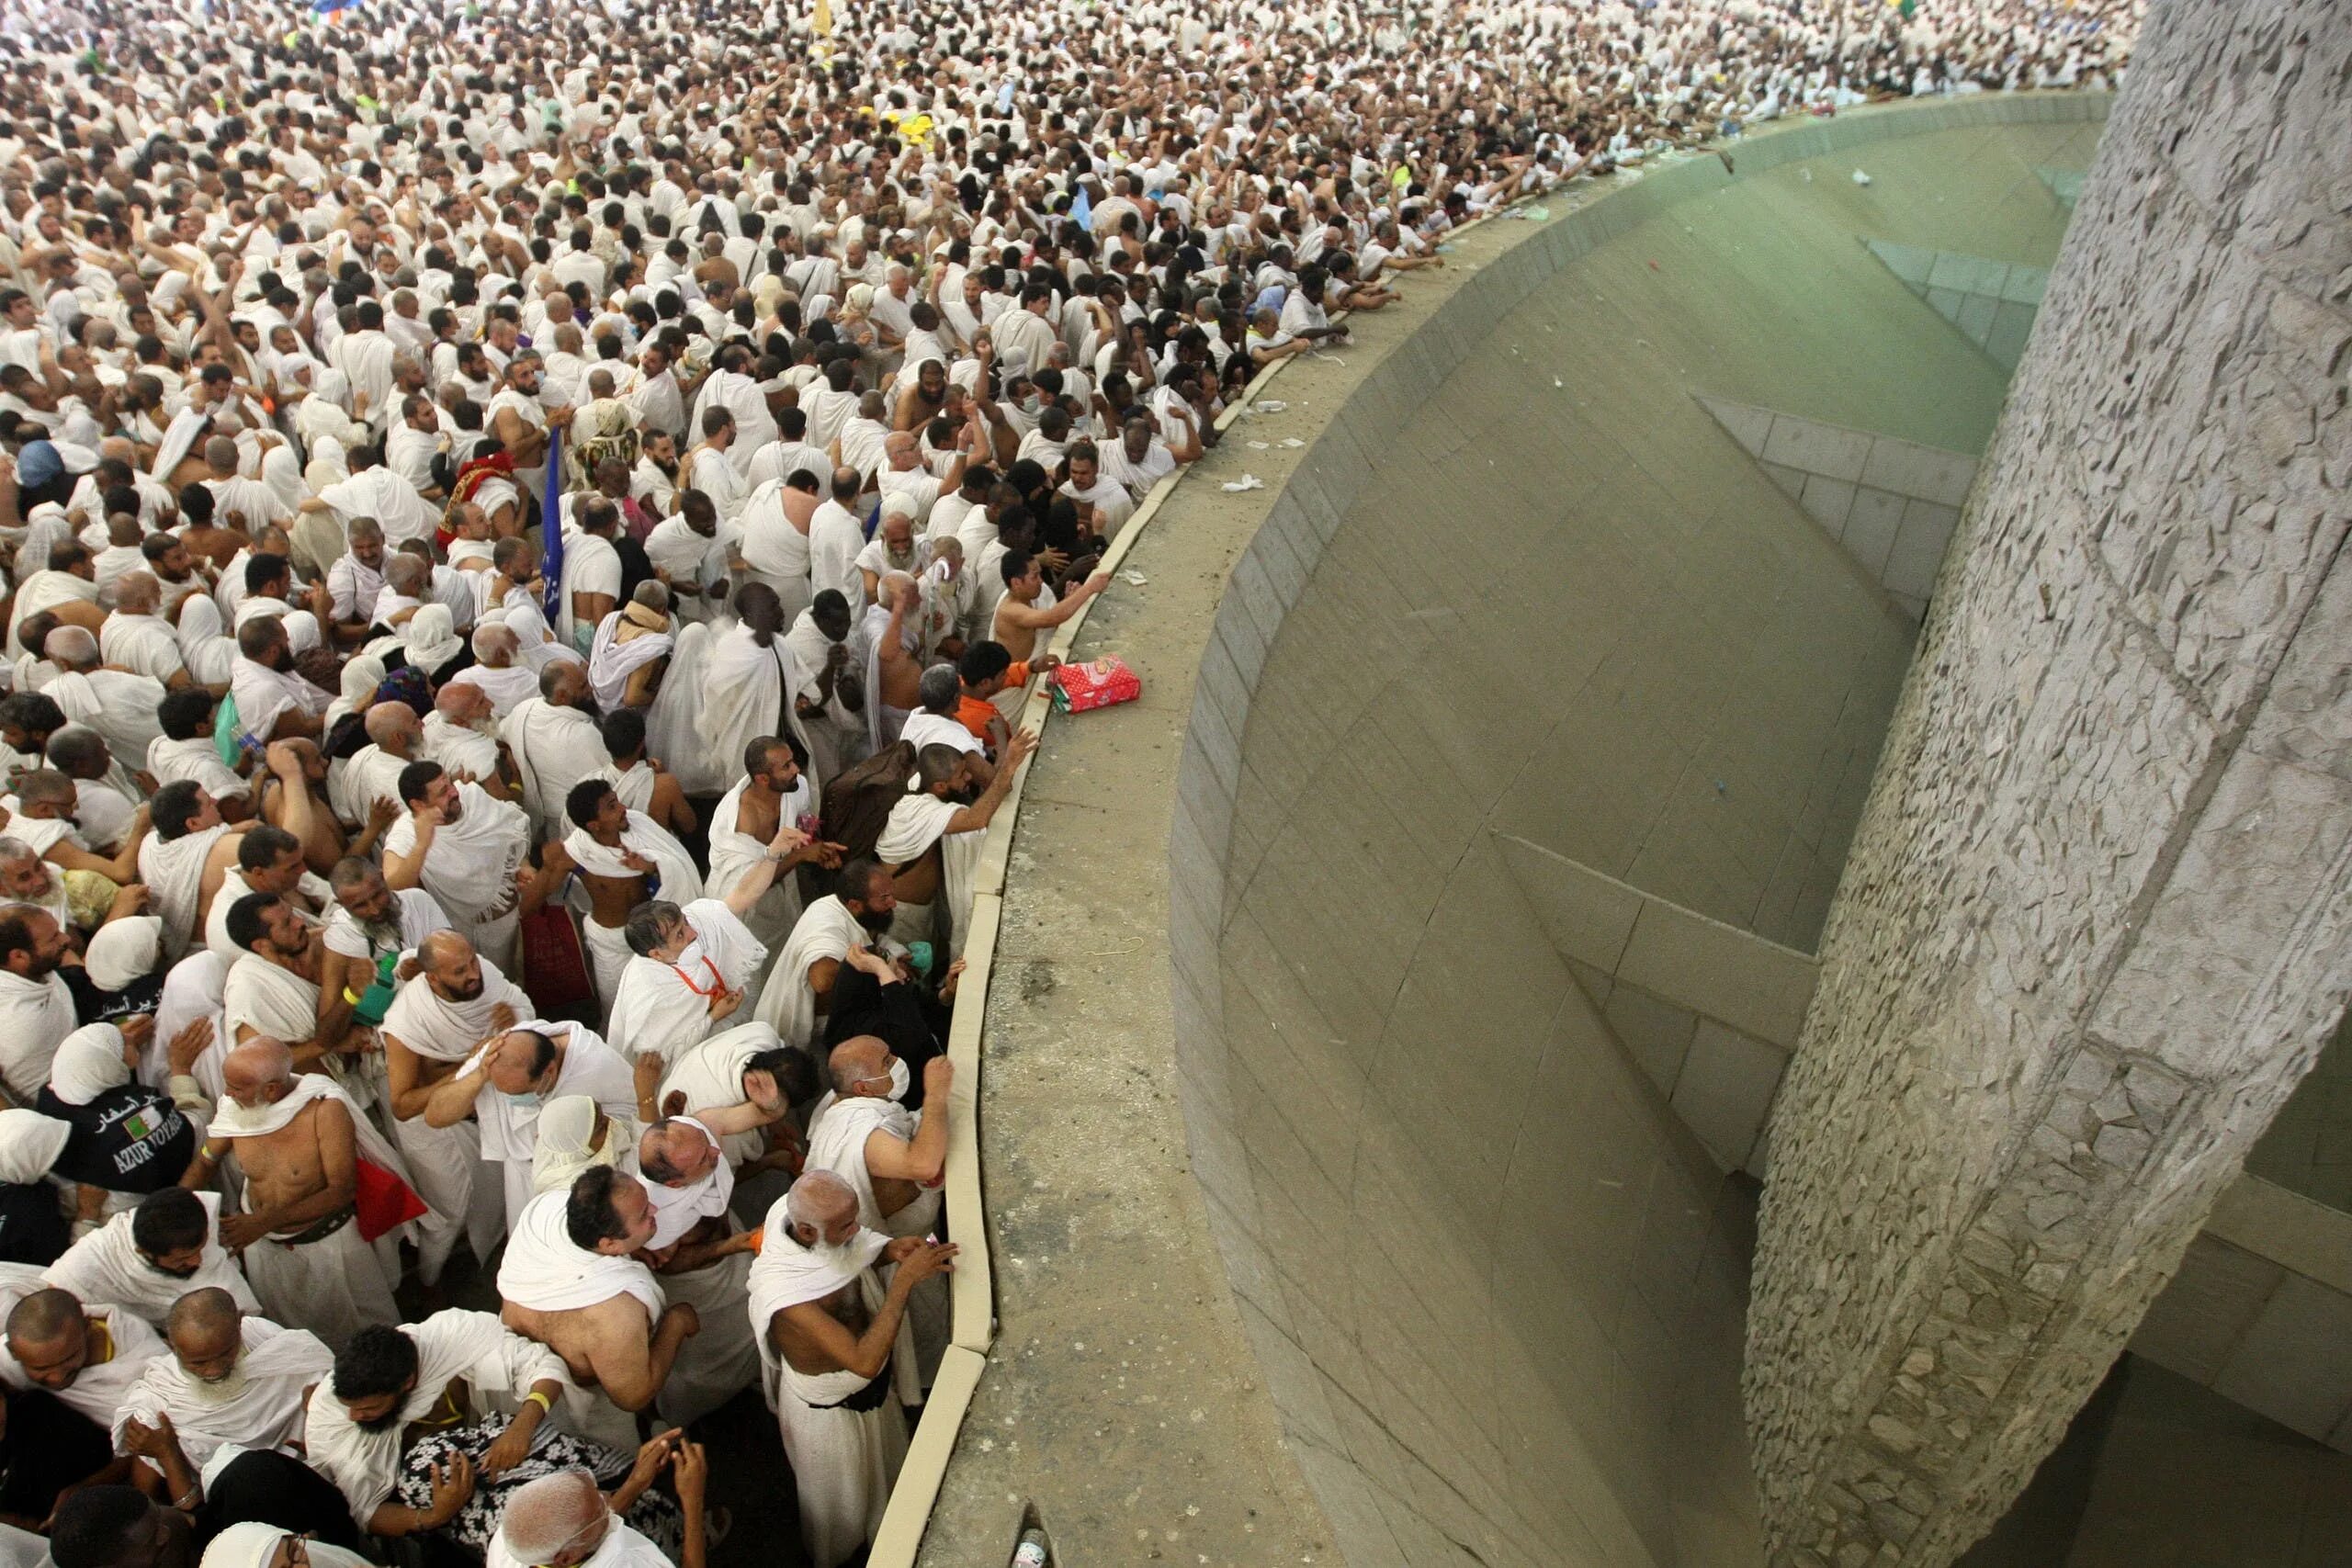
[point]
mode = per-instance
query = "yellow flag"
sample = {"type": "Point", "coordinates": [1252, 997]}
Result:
{"type": "Point", "coordinates": [823, 18]}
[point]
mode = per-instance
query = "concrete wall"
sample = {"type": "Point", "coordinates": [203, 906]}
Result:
{"type": "Point", "coordinates": [2261, 1309]}
{"type": "Point", "coordinates": [2096, 922]}
{"type": "Point", "coordinates": [1496, 1285]}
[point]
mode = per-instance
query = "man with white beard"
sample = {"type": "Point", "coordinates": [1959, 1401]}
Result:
{"type": "Point", "coordinates": [439, 1018]}
{"type": "Point", "coordinates": [775, 796]}
{"type": "Point", "coordinates": [146, 1259]}
{"type": "Point", "coordinates": [467, 850]}
{"type": "Point", "coordinates": [369, 928]}
{"type": "Point", "coordinates": [506, 1079]}
{"type": "Point", "coordinates": [827, 1325]}
{"type": "Point", "coordinates": [298, 1142]}
{"type": "Point", "coordinates": [555, 742]}
{"type": "Point", "coordinates": [799, 988]}
{"type": "Point", "coordinates": [461, 733]}
{"type": "Point", "coordinates": [563, 1521]}
{"type": "Point", "coordinates": [498, 668]}
{"type": "Point", "coordinates": [230, 1379]}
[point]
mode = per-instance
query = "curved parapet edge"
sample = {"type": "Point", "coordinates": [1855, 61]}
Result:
{"type": "Point", "coordinates": [1277, 535]}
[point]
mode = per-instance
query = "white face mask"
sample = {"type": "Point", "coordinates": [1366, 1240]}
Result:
{"type": "Point", "coordinates": [901, 1080]}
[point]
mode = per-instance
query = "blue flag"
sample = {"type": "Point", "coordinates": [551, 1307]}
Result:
{"type": "Point", "coordinates": [551, 531]}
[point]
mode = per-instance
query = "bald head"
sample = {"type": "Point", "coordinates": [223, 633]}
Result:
{"type": "Point", "coordinates": [72, 647]}
{"type": "Point", "coordinates": [462, 703]}
{"type": "Point", "coordinates": [495, 645]}
{"type": "Point", "coordinates": [44, 1320]}
{"type": "Point", "coordinates": [220, 451]}
{"type": "Point", "coordinates": [208, 1311]}
{"type": "Point", "coordinates": [548, 1520]}
{"type": "Point", "coordinates": [821, 1210]}
{"type": "Point", "coordinates": [395, 727]}
{"type": "Point", "coordinates": [136, 592]}
{"type": "Point", "coordinates": [258, 1072]}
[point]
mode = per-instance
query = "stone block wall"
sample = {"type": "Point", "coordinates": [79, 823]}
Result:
{"type": "Point", "coordinates": [2096, 922]}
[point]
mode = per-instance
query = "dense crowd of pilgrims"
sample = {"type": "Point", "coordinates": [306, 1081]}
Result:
{"type": "Point", "coordinates": [526, 529]}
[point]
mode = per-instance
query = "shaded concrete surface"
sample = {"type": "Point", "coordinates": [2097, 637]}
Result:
{"type": "Point", "coordinates": [1425, 1271]}
{"type": "Point", "coordinates": [2157, 1472]}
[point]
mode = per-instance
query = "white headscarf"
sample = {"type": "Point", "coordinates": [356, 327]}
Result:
{"type": "Point", "coordinates": [88, 1064]}
{"type": "Point", "coordinates": [361, 676]}
{"type": "Point", "coordinates": [124, 950]}
{"type": "Point", "coordinates": [327, 465]}
{"type": "Point", "coordinates": [565, 1127]}
{"type": "Point", "coordinates": [431, 639]}
{"type": "Point", "coordinates": [29, 1145]}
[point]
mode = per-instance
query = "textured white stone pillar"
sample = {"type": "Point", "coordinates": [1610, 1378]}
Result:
{"type": "Point", "coordinates": [2099, 918]}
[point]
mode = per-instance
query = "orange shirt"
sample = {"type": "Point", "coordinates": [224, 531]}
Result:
{"type": "Point", "coordinates": [974, 712]}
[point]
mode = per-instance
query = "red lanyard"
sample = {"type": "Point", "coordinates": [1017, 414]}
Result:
{"type": "Point", "coordinates": [717, 985]}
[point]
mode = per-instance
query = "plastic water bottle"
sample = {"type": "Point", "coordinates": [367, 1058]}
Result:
{"type": "Point", "coordinates": [1031, 1552]}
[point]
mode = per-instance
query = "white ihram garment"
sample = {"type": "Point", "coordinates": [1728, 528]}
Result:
{"type": "Point", "coordinates": [447, 1162]}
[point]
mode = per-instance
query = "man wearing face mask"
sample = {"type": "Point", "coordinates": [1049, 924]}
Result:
{"type": "Point", "coordinates": [505, 1081]}
{"type": "Point", "coordinates": [827, 1325]}
{"type": "Point", "coordinates": [145, 1260]}
{"type": "Point", "coordinates": [694, 965]}
{"type": "Point", "coordinates": [799, 988]}
{"type": "Point", "coordinates": [895, 1161]}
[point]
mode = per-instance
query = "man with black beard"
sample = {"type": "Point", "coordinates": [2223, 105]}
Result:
{"type": "Point", "coordinates": [799, 989]}
{"type": "Point", "coordinates": [147, 1258]}
{"type": "Point", "coordinates": [275, 702]}
{"type": "Point", "coordinates": [369, 925]}
{"type": "Point", "coordinates": [427, 1426]}
{"type": "Point", "coordinates": [933, 837]}
{"type": "Point", "coordinates": [453, 1000]}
